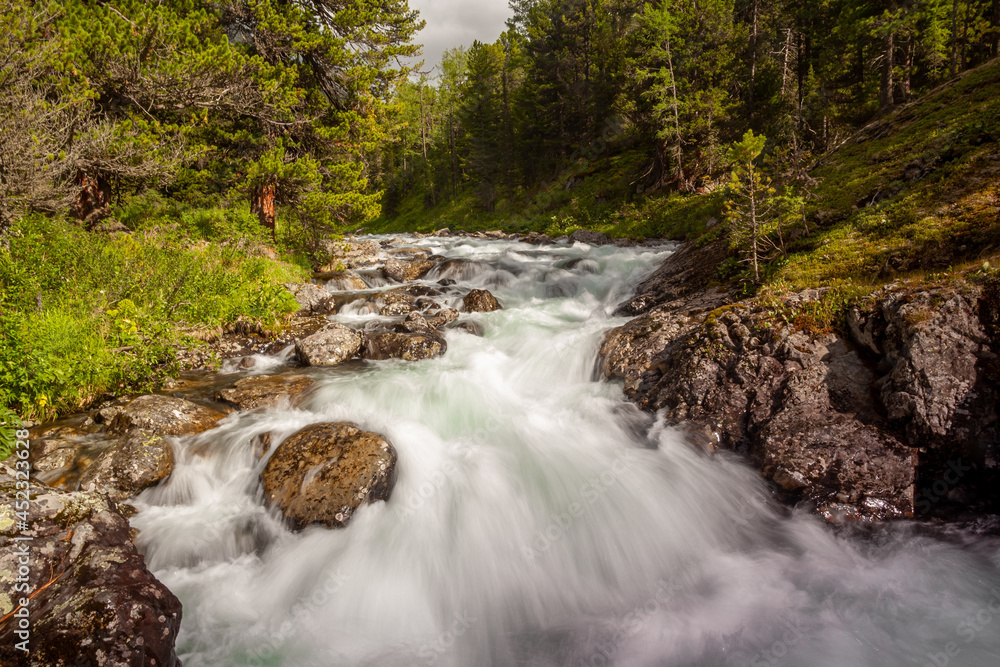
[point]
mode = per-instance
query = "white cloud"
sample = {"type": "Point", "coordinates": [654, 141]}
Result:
{"type": "Point", "coordinates": [453, 23]}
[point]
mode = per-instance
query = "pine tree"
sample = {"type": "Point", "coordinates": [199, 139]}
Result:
{"type": "Point", "coordinates": [751, 210]}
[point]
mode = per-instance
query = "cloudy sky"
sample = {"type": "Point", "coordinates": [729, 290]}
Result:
{"type": "Point", "coordinates": [456, 23]}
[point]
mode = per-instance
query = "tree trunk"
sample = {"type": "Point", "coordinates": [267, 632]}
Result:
{"type": "Point", "coordinates": [678, 143]}
{"type": "Point", "coordinates": [423, 143]}
{"type": "Point", "coordinates": [907, 70]}
{"type": "Point", "coordinates": [786, 67]}
{"type": "Point", "coordinates": [964, 59]}
{"type": "Point", "coordinates": [954, 37]}
{"type": "Point", "coordinates": [885, 94]}
{"type": "Point", "coordinates": [93, 203]}
{"type": "Point", "coordinates": [262, 203]}
{"type": "Point", "coordinates": [753, 224]}
{"type": "Point", "coordinates": [995, 27]}
{"type": "Point", "coordinates": [754, 33]}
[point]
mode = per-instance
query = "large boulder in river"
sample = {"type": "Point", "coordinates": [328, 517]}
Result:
{"type": "Point", "coordinates": [323, 473]}
{"type": "Point", "coordinates": [344, 281]}
{"type": "Point", "coordinates": [164, 415]}
{"type": "Point", "coordinates": [94, 602]}
{"type": "Point", "coordinates": [351, 254]}
{"type": "Point", "coordinates": [312, 300]}
{"type": "Point", "coordinates": [265, 391]}
{"type": "Point", "coordinates": [798, 405]}
{"type": "Point", "coordinates": [396, 303]}
{"type": "Point", "coordinates": [403, 271]}
{"type": "Point", "coordinates": [334, 344]}
{"type": "Point", "coordinates": [480, 301]}
{"type": "Point", "coordinates": [589, 237]}
{"type": "Point", "coordinates": [129, 466]}
{"type": "Point", "coordinates": [405, 346]}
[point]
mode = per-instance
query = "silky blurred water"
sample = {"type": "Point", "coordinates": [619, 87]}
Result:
{"type": "Point", "coordinates": [539, 519]}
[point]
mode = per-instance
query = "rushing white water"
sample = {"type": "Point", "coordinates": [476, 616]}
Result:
{"type": "Point", "coordinates": [539, 519]}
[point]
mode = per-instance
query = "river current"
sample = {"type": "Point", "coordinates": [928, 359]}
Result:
{"type": "Point", "coordinates": [539, 519]}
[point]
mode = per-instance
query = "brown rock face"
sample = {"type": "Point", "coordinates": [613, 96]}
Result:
{"type": "Point", "coordinates": [96, 603]}
{"type": "Point", "coordinates": [480, 301]}
{"type": "Point", "coordinates": [403, 271]}
{"type": "Point", "coordinates": [265, 391]}
{"type": "Point", "coordinates": [331, 345]}
{"type": "Point", "coordinates": [164, 415]}
{"type": "Point", "coordinates": [136, 462]}
{"type": "Point", "coordinates": [323, 473]}
{"type": "Point", "coordinates": [406, 346]}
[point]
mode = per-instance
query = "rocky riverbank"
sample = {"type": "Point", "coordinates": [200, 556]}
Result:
{"type": "Point", "coordinates": [893, 416]}
{"type": "Point", "coordinates": [92, 599]}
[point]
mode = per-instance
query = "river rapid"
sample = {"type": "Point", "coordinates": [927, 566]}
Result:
{"type": "Point", "coordinates": [539, 519]}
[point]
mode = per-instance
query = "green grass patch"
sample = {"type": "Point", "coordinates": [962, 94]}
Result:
{"type": "Point", "coordinates": [86, 314]}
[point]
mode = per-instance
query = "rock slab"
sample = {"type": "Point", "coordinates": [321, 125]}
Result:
{"type": "Point", "coordinates": [95, 602]}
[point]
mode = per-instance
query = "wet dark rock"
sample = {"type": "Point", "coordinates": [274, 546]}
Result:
{"type": "Point", "coordinates": [312, 300]}
{"type": "Point", "coordinates": [96, 603]}
{"type": "Point", "coordinates": [406, 346]}
{"type": "Point", "coordinates": [414, 323]}
{"type": "Point", "coordinates": [136, 462]}
{"type": "Point", "coordinates": [442, 317]}
{"type": "Point", "coordinates": [580, 264]}
{"type": "Point", "coordinates": [164, 415]}
{"type": "Point", "coordinates": [687, 272]}
{"type": "Point", "coordinates": [265, 391]}
{"type": "Point", "coordinates": [874, 425]}
{"type": "Point", "coordinates": [474, 328]}
{"type": "Point", "coordinates": [535, 238]}
{"type": "Point", "coordinates": [480, 301]}
{"type": "Point", "coordinates": [331, 345]}
{"type": "Point", "coordinates": [797, 406]}
{"type": "Point", "coordinates": [403, 271]}
{"type": "Point", "coordinates": [589, 237]}
{"type": "Point", "coordinates": [323, 473]}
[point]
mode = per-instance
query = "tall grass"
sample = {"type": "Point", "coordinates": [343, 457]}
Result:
{"type": "Point", "coordinates": [84, 314]}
